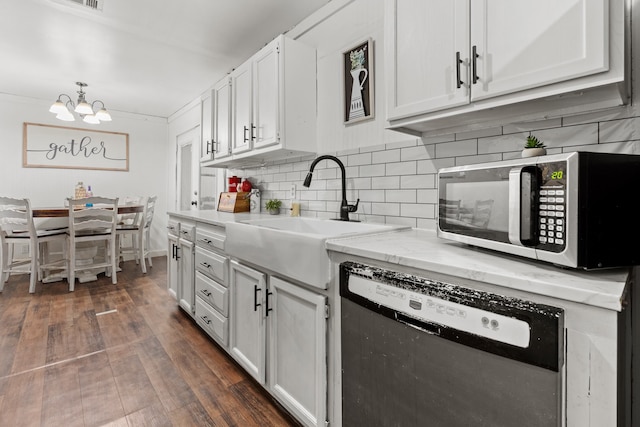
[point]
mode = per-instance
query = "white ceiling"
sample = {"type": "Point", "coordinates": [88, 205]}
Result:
{"type": "Point", "coordinates": [139, 56]}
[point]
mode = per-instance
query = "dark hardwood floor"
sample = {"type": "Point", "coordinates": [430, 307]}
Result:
{"type": "Point", "coordinates": [117, 355]}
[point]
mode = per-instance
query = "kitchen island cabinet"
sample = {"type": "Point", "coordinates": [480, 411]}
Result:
{"type": "Point", "coordinates": [479, 55]}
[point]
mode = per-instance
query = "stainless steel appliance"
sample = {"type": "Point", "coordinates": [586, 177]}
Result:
{"type": "Point", "coordinates": [419, 352]}
{"type": "Point", "coordinates": [575, 209]}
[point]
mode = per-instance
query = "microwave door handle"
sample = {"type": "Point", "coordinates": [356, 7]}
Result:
{"type": "Point", "coordinates": [522, 183]}
{"type": "Point", "coordinates": [515, 198]}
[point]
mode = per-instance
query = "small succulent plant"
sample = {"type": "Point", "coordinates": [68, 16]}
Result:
{"type": "Point", "coordinates": [273, 205]}
{"type": "Point", "coordinates": [533, 142]}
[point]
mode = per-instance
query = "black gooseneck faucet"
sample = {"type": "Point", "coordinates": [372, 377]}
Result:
{"type": "Point", "coordinates": [345, 207]}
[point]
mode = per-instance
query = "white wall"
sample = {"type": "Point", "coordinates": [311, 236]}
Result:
{"type": "Point", "coordinates": [49, 187]}
{"type": "Point", "coordinates": [357, 21]}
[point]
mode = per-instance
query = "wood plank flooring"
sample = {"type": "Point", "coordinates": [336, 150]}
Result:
{"type": "Point", "coordinates": [118, 355]}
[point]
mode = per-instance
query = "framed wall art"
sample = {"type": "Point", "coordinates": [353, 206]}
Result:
{"type": "Point", "coordinates": [358, 82]}
{"type": "Point", "coordinates": [48, 146]}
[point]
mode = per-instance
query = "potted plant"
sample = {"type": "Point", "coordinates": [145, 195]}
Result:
{"type": "Point", "coordinates": [273, 206]}
{"type": "Point", "coordinates": [533, 147]}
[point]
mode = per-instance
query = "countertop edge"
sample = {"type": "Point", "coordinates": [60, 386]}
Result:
{"type": "Point", "coordinates": [423, 250]}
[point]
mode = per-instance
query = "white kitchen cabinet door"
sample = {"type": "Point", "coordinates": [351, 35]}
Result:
{"type": "Point", "coordinates": [172, 265]}
{"type": "Point", "coordinates": [247, 338]}
{"type": "Point", "coordinates": [427, 55]}
{"type": "Point", "coordinates": [241, 100]}
{"type": "Point", "coordinates": [222, 119]}
{"type": "Point", "coordinates": [266, 87]}
{"type": "Point", "coordinates": [522, 45]}
{"type": "Point", "coordinates": [273, 104]}
{"type": "Point", "coordinates": [206, 128]}
{"type": "Point", "coordinates": [297, 350]}
{"type": "Point", "coordinates": [186, 279]}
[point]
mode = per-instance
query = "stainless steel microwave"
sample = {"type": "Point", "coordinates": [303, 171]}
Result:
{"type": "Point", "coordinates": [579, 209]}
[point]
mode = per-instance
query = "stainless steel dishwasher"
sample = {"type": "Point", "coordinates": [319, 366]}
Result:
{"type": "Point", "coordinates": [419, 352]}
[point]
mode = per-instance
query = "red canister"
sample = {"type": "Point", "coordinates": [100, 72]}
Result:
{"type": "Point", "coordinates": [246, 185]}
{"type": "Point", "coordinates": [233, 183]}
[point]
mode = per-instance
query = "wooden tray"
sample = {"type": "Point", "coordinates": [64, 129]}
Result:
{"type": "Point", "coordinates": [234, 202]}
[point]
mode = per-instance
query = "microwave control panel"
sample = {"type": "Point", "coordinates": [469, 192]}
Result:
{"type": "Point", "coordinates": [552, 207]}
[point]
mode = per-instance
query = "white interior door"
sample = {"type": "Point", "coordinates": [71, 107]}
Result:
{"type": "Point", "coordinates": [188, 171]}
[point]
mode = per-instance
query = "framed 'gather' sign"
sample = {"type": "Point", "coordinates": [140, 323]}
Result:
{"type": "Point", "coordinates": [47, 146]}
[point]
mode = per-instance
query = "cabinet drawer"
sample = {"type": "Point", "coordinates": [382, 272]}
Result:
{"type": "Point", "coordinates": [187, 231]}
{"type": "Point", "coordinates": [210, 237]}
{"type": "Point", "coordinates": [212, 264]}
{"type": "Point", "coordinates": [213, 293]}
{"type": "Point", "coordinates": [212, 322]}
{"type": "Point", "coordinates": [172, 227]}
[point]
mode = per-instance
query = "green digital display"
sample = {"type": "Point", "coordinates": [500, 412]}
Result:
{"type": "Point", "coordinates": [557, 175]}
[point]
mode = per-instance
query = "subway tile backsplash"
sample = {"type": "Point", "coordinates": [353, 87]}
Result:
{"type": "Point", "coordinates": [396, 183]}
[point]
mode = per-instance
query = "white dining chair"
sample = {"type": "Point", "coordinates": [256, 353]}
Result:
{"type": "Point", "coordinates": [92, 220]}
{"type": "Point", "coordinates": [17, 230]}
{"type": "Point", "coordinates": [139, 232]}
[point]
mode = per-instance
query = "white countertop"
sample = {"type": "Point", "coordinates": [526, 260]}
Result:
{"type": "Point", "coordinates": [217, 218]}
{"type": "Point", "coordinates": [422, 249]}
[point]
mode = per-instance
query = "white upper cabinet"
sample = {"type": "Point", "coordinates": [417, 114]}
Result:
{"type": "Point", "coordinates": [424, 71]}
{"type": "Point", "coordinates": [221, 95]}
{"type": "Point", "coordinates": [241, 108]}
{"type": "Point", "coordinates": [273, 104]}
{"type": "Point", "coordinates": [206, 128]}
{"type": "Point", "coordinates": [265, 96]}
{"type": "Point", "coordinates": [520, 45]}
{"type": "Point", "coordinates": [215, 122]}
{"type": "Point", "coordinates": [449, 58]}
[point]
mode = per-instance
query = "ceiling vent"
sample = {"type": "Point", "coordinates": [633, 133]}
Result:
{"type": "Point", "coordinates": [91, 4]}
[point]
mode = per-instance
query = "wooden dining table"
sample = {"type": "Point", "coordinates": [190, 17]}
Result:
{"type": "Point", "coordinates": [62, 212]}
{"type": "Point", "coordinates": [47, 217]}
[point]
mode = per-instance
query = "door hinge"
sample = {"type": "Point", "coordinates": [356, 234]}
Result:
{"type": "Point", "coordinates": [327, 311]}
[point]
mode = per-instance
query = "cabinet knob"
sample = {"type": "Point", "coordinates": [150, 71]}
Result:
{"type": "Point", "coordinates": [206, 292]}
{"type": "Point", "coordinates": [205, 319]}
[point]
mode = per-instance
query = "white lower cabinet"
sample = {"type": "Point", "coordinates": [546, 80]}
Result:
{"type": "Point", "coordinates": [282, 326]}
{"type": "Point", "coordinates": [172, 262]}
{"type": "Point", "coordinates": [248, 323]}
{"type": "Point", "coordinates": [185, 255]}
{"type": "Point", "coordinates": [297, 351]}
{"type": "Point", "coordinates": [180, 267]}
{"type": "Point", "coordinates": [211, 292]}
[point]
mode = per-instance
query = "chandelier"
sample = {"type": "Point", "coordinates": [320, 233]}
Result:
{"type": "Point", "coordinates": [62, 109]}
